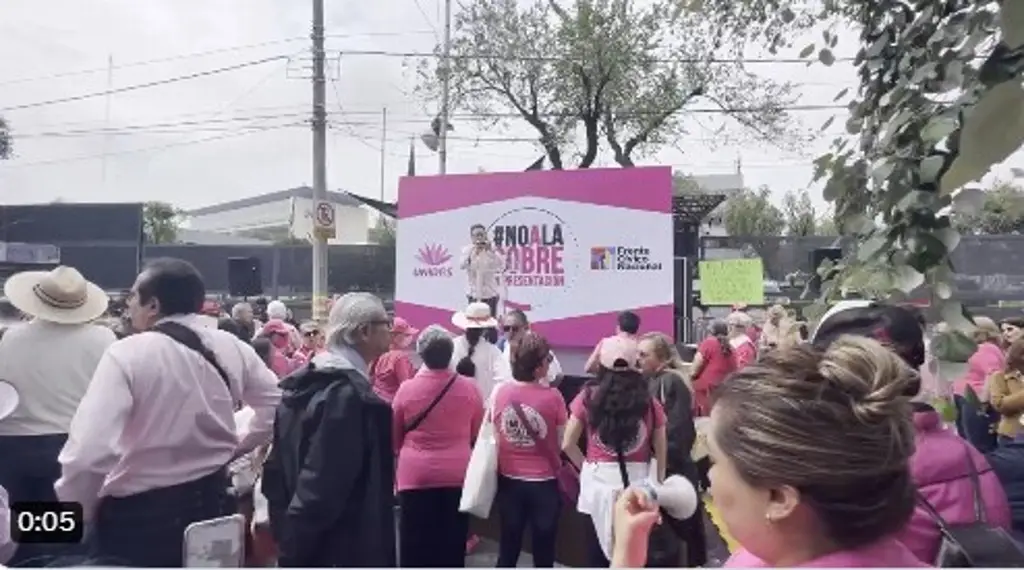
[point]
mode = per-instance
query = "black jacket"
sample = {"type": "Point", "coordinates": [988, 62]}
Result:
{"type": "Point", "coordinates": [679, 427]}
{"type": "Point", "coordinates": [329, 476]}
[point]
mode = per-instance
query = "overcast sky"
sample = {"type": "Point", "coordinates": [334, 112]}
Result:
{"type": "Point", "coordinates": [238, 134]}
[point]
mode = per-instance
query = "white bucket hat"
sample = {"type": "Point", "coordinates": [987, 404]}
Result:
{"type": "Point", "coordinates": [475, 316]}
{"type": "Point", "coordinates": [59, 296]}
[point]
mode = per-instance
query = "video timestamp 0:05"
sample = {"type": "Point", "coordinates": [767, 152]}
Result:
{"type": "Point", "coordinates": [47, 522]}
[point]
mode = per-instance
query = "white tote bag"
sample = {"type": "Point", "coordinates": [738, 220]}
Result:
{"type": "Point", "coordinates": [481, 483]}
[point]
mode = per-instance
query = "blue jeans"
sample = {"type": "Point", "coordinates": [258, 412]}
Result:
{"type": "Point", "coordinates": [975, 424]}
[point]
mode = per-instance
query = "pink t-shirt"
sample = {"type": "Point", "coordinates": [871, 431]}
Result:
{"type": "Point", "coordinates": [987, 359]}
{"type": "Point", "coordinates": [519, 456]}
{"type": "Point", "coordinates": [886, 553]}
{"type": "Point", "coordinates": [389, 371]}
{"type": "Point", "coordinates": [638, 450]}
{"type": "Point", "coordinates": [436, 453]}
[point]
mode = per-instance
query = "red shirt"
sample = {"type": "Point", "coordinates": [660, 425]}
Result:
{"type": "Point", "coordinates": [717, 366]}
{"type": "Point", "coordinates": [636, 451]}
{"type": "Point", "coordinates": [519, 455]}
{"type": "Point", "coordinates": [389, 371]}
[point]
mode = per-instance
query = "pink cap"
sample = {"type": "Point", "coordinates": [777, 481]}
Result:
{"type": "Point", "coordinates": [276, 326]}
{"type": "Point", "coordinates": [402, 326]}
{"type": "Point", "coordinates": [618, 348]}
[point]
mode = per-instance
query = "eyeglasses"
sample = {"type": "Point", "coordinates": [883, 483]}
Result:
{"type": "Point", "coordinates": [386, 322]}
{"type": "Point", "coordinates": [511, 328]}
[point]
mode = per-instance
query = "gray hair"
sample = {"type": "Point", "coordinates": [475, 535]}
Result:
{"type": "Point", "coordinates": [351, 311]}
{"type": "Point", "coordinates": [236, 311]}
{"type": "Point", "coordinates": [431, 335]}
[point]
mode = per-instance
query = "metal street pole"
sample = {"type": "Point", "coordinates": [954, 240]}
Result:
{"type": "Point", "coordinates": [442, 150]}
{"type": "Point", "coordinates": [383, 148]}
{"type": "Point", "coordinates": [319, 162]}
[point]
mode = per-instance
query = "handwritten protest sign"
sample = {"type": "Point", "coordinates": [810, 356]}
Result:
{"type": "Point", "coordinates": [732, 281]}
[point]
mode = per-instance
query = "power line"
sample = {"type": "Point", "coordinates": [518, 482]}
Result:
{"type": "Point", "coordinates": [193, 55]}
{"type": "Point", "coordinates": [155, 127]}
{"type": "Point", "coordinates": [556, 59]}
{"type": "Point", "coordinates": [139, 86]}
{"type": "Point", "coordinates": [14, 164]}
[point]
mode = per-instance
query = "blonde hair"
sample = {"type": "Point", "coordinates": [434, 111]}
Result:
{"type": "Point", "coordinates": [835, 425]}
{"type": "Point", "coordinates": [986, 330]}
{"type": "Point", "coordinates": [666, 352]}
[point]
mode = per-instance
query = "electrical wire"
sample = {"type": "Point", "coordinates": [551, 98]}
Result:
{"type": "Point", "coordinates": [556, 59]}
{"type": "Point", "coordinates": [138, 86]}
{"type": "Point", "coordinates": [198, 54]}
{"type": "Point", "coordinates": [16, 165]}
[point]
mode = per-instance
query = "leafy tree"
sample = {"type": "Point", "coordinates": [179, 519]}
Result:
{"type": "Point", "coordinates": [800, 215]}
{"type": "Point", "coordinates": [621, 73]}
{"type": "Point", "coordinates": [6, 142]}
{"type": "Point", "coordinates": [1002, 212]}
{"type": "Point", "coordinates": [827, 226]}
{"type": "Point", "coordinates": [750, 213]}
{"type": "Point", "coordinates": [940, 101]}
{"type": "Point", "coordinates": [684, 184]}
{"type": "Point", "coordinates": [160, 222]}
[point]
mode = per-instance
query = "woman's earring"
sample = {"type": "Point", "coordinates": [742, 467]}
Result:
{"type": "Point", "coordinates": [768, 517]}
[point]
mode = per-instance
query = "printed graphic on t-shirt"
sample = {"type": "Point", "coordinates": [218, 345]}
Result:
{"type": "Point", "coordinates": [513, 430]}
{"type": "Point", "coordinates": [630, 447]}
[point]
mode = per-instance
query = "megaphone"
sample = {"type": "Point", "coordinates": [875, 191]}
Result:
{"type": "Point", "coordinates": [676, 495]}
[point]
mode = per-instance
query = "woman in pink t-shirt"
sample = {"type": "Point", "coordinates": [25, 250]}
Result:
{"type": "Point", "coordinates": [394, 366]}
{"type": "Point", "coordinates": [436, 415]}
{"type": "Point", "coordinates": [711, 365]}
{"type": "Point", "coordinates": [625, 429]}
{"type": "Point", "coordinates": [811, 453]}
{"type": "Point", "coordinates": [529, 419]}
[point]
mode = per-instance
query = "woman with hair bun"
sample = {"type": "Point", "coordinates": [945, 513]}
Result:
{"type": "Point", "coordinates": [811, 455]}
{"type": "Point", "coordinates": [939, 466]}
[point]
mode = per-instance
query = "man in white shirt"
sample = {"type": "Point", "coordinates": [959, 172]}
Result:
{"type": "Point", "coordinates": [49, 361]}
{"type": "Point", "coordinates": [515, 325]}
{"type": "Point", "coordinates": [484, 268]}
{"type": "Point", "coordinates": [148, 448]}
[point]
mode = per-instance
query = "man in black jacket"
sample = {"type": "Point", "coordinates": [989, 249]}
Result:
{"type": "Point", "coordinates": [329, 477]}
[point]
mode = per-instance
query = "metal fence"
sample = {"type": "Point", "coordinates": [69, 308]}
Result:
{"type": "Point", "coordinates": [986, 268]}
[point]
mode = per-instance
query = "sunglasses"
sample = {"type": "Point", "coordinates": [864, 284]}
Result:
{"type": "Point", "coordinates": [511, 328]}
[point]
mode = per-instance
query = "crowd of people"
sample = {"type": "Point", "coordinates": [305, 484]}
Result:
{"type": "Point", "coordinates": [351, 443]}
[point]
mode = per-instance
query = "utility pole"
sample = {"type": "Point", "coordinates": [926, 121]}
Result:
{"type": "Point", "coordinates": [319, 161]}
{"type": "Point", "coordinates": [442, 149]}
{"type": "Point", "coordinates": [383, 148]}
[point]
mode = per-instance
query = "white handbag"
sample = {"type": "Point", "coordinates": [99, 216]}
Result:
{"type": "Point", "coordinates": [481, 483]}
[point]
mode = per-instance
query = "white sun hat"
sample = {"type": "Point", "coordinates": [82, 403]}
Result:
{"type": "Point", "coordinates": [475, 316]}
{"type": "Point", "coordinates": [61, 296]}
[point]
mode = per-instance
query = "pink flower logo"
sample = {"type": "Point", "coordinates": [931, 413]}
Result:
{"type": "Point", "coordinates": [433, 255]}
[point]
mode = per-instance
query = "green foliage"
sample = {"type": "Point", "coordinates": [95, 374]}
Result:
{"type": "Point", "coordinates": [6, 141]}
{"type": "Point", "coordinates": [940, 101]}
{"type": "Point", "coordinates": [799, 213]}
{"type": "Point", "coordinates": [749, 213]}
{"type": "Point", "coordinates": [684, 184]}
{"type": "Point", "coordinates": [1001, 212]}
{"type": "Point", "coordinates": [161, 222]}
{"type": "Point", "coordinates": [621, 73]}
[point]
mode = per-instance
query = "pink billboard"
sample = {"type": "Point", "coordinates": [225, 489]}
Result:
{"type": "Point", "coordinates": [578, 246]}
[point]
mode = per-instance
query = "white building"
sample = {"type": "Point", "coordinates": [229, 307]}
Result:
{"type": "Point", "coordinates": [281, 215]}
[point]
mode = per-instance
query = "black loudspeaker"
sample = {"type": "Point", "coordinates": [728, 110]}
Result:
{"type": "Point", "coordinates": [819, 255]}
{"type": "Point", "coordinates": [245, 278]}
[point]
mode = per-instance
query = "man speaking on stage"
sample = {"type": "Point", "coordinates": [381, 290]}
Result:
{"type": "Point", "coordinates": [483, 267]}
